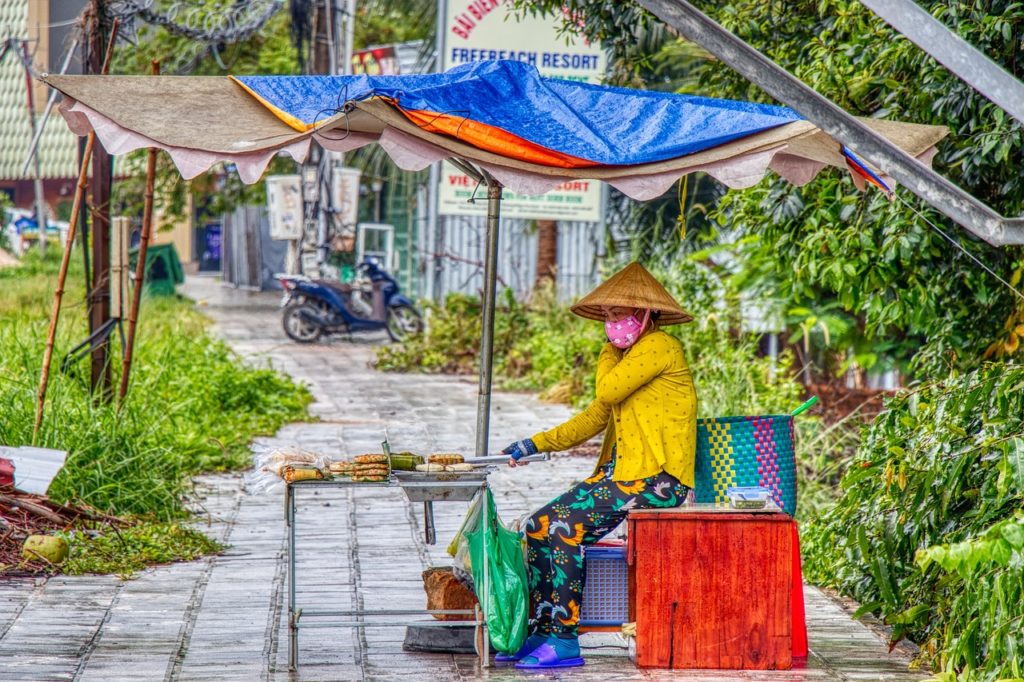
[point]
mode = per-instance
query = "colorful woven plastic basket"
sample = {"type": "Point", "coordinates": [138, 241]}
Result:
{"type": "Point", "coordinates": [747, 451]}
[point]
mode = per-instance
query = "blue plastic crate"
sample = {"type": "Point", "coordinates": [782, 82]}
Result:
{"type": "Point", "coordinates": [606, 591]}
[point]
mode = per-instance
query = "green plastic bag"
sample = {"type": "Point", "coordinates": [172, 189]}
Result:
{"type": "Point", "coordinates": [505, 603]}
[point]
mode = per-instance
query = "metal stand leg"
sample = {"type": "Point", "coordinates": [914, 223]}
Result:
{"type": "Point", "coordinates": [479, 634]}
{"type": "Point", "coordinates": [429, 532]}
{"type": "Point", "coordinates": [485, 650]}
{"type": "Point", "coordinates": [293, 618]}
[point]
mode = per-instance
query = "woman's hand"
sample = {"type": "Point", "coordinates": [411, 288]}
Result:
{"type": "Point", "coordinates": [518, 450]}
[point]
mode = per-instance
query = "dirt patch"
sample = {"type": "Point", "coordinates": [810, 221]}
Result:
{"type": "Point", "coordinates": [7, 260]}
{"type": "Point", "coordinates": [836, 401]}
{"type": "Point", "coordinates": [23, 514]}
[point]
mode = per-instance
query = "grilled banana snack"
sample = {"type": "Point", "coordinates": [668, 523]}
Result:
{"type": "Point", "coordinates": [445, 458]}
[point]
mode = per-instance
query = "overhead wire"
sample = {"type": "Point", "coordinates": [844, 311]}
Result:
{"type": "Point", "coordinates": [860, 168]}
{"type": "Point", "coordinates": [958, 245]}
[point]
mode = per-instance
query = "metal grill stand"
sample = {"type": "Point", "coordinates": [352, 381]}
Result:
{"type": "Point", "coordinates": [426, 491]}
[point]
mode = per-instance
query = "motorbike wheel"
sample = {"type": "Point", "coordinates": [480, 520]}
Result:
{"type": "Point", "coordinates": [404, 321]}
{"type": "Point", "coordinates": [297, 327]}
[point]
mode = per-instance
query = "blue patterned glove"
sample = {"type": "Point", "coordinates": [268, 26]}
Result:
{"type": "Point", "coordinates": [520, 449]}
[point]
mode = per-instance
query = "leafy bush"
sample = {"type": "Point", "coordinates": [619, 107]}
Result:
{"type": "Point", "coordinates": [451, 342]}
{"type": "Point", "coordinates": [942, 466]}
{"type": "Point", "coordinates": [981, 634]}
{"type": "Point", "coordinates": [553, 350]}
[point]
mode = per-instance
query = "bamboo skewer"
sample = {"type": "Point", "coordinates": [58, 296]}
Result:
{"type": "Point", "coordinates": [58, 295]}
{"type": "Point", "coordinates": [140, 266]}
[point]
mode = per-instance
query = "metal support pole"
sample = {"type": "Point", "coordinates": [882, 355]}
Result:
{"type": "Point", "coordinates": [485, 643]}
{"type": "Point", "coordinates": [293, 619]}
{"type": "Point", "coordinates": [435, 226]}
{"type": "Point", "coordinates": [325, 181]}
{"type": "Point", "coordinates": [348, 46]}
{"type": "Point", "coordinates": [487, 300]}
{"type": "Point", "coordinates": [429, 530]}
{"type": "Point", "coordinates": [435, 240]}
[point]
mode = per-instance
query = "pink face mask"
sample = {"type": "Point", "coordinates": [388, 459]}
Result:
{"type": "Point", "coordinates": [625, 332]}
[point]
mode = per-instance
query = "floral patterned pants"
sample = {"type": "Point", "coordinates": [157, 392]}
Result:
{"type": "Point", "coordinates": [557, 532]}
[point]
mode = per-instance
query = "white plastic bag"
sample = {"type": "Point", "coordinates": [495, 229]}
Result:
{"type": "Point", "coordinates": [269, 464]}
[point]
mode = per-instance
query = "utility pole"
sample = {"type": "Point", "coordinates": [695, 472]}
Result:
{"type": "Point", "coordinates": [37, 181]}
{"type": "Point", "coordinates": [327, 49]}
{"type": "Point", "coordinates": [99, 186]}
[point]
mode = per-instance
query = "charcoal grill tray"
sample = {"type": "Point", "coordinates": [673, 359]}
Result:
{"type": "Point", "coordinates": [434, 486]}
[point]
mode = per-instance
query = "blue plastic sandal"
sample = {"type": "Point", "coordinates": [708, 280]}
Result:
{"type": "Point", "coordinates": [529, 644]}
{"type": "Point", "coordinates": [545, 657]}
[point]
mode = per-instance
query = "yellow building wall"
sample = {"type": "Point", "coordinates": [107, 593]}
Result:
{"type": "Point", "coordinates": [179, 234]}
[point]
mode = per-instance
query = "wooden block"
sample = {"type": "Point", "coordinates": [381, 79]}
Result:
{"type": "Point", "coordinates": [446, 593]}
{"type": "Point", "coordinates": [712, 590]}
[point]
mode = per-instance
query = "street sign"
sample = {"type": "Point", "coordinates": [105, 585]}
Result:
{"type": "Point", "coordinates": [345, 196]}
{"type": "Point", "coordinates": [284, 204]}
{"type": "Point", "coordinates": [377, 61]}
{"type": "Point", "coordinates": [477, 30]}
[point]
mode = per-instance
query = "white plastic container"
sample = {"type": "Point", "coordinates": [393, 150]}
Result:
{"type": "Point", "coordinates": [751, 497]}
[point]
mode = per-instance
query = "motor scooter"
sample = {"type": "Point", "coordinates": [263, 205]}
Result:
{"type": "Point", "coordinates": [317, 307]}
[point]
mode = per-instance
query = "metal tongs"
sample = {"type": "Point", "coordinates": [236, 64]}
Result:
{"type": "Point", "coordinates": [501, 459]}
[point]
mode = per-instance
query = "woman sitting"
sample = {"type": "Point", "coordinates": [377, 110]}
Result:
{"type": "Point", "coordinates": [646, 406]}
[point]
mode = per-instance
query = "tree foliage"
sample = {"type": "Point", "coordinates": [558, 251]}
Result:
{"type": "Point", "coordinates": [268, 52]}
{"type": "Point", "coordinates": [941, 468]}
{"type": "Point", "coordinates": [908, 292]}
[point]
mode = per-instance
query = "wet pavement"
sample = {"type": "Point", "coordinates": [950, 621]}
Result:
{"type": "Point", "coordinates": [360, 548]}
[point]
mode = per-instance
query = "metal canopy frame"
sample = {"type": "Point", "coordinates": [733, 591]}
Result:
{"type": "Point", "coordinates": [956, 54]}
{"type": "Point", "coordinates": [955, 203]}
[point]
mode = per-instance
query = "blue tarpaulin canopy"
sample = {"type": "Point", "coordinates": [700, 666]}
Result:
{"type": "Point", "coordinates": [530, 133]}
{"type": "Point", "coordinates": [599, 124]}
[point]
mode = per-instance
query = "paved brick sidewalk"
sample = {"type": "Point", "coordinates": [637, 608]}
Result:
{"type": "Point", "coordinates": [222, 618]}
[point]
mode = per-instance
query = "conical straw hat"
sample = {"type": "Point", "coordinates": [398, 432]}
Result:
{"type": "Point", "coordinates": [632, 287]}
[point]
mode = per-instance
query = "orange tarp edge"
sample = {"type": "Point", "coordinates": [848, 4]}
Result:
{"type": "Point", "coordinates": [285, 117]}
{"type": "Point", "coordinates": [492, 139]}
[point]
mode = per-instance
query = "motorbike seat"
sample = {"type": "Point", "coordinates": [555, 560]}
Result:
{"type": "Point", "coordinates": [340, 287]}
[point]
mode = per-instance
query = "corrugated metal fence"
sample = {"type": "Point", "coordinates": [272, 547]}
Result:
{"type": "Point", "coordinates": [462, 248]}
{"type": "Point", "coordinates": [249, 257]}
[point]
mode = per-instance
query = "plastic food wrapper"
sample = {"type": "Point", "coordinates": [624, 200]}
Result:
{"type": "Point", "coordinates": [269, 464]}
{"type": "Point", "coordinates": [505, 604]}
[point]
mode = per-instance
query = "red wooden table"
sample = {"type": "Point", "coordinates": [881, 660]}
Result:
{"type": "Point", "coordinates": [711, 588]}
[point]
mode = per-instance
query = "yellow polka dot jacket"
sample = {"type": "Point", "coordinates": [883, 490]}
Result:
{"type": "Point", "coordinates": [647, 407]}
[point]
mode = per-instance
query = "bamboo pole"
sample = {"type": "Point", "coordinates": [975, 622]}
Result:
{"type": "Point", "coordinates": [69, 242]}
{"type": "Point", "coordinates": [140, 266]}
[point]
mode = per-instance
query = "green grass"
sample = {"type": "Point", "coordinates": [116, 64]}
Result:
{"type": "Point", "coordinates": [127, 551]}
{"type": "Point", "coordinates": [193, 405]}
